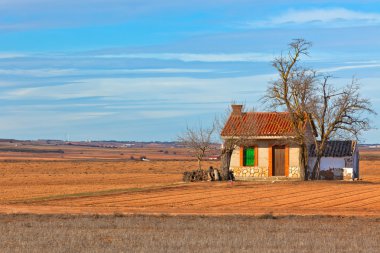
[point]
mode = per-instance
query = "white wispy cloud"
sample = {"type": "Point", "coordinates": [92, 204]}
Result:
{"type": "Point", "coordinates": [349, 67]}
{"type": "Point", "coordinates": [56, 107]}
{"type": "Point", "coordinates": [9, 55]}
{"type": "Point", "coordinates": [362, 62]}
{"type": "Point", "coordinates": [87, 72]}
{"type": "Point", "coordinates": [37, 72]}
{"type": "Point", "coordinates": [184, 89]}
{"type": "Point", "coordinates": [192, 57]}
{"type": "Point", "coordinates": [74, 116]}
{"type": "Point", "coordinates": [337, 17]}
{"type": "Point", "coordinates": [25, 119]}
{"type": "Point", "coordinates": [162, 114]}
{"type": "Point", "coordinates": [53, 14]}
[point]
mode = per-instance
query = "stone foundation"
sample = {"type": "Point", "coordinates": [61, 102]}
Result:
{"type": "Point", "coordinates": [246, 173]}
{"type": "Point", "coordinates": [337, 174]}
{"type": "Point", "coordinates": [250, 172]}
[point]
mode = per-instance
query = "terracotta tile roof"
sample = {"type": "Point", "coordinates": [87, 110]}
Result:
{"type": "Point", "coordinates": [258, 124]}
{"type": "Point", "coordinates": [336, 149]}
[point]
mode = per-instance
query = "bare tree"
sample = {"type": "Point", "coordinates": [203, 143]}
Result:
{"type": "Point", "coordinates": [226, 154]}
{"type": "Point", "coordinates": [309, 98]}
{"type": "Point", "coordinates": [338, 113]}
{"type": "Point", "coordinates": [293, 90]}
{"type": "Point", "coordinates": [229, 144]}
{"type": "Point", "coordinates": [198, 141]}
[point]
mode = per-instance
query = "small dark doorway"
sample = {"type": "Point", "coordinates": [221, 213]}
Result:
{"type": "Point", "coordinates": [278, 161]}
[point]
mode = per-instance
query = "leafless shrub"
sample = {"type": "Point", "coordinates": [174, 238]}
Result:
{"type": "Point", "coordinates": [199, 141]}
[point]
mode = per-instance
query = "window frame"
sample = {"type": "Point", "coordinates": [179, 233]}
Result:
{"type": "Point", "coordinates": [254, 158]}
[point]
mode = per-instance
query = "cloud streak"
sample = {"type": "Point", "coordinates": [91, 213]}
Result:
{"type": "Point", "coordinates": [349, 67]}
{"type": "Point", "coordinates": [105, 72]}
{"type": "Point", "coordinates": [11, 55]}
{"type": "Point", "coordinates": [192, 57]}
{"type": "Point", "coordinates": [171, 88]}
{"type": "Point", "coordinates": [338, 17]}
{"type": "Point", "coordinates": [73, 13]}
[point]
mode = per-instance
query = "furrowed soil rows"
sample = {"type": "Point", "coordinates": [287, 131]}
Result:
{"type": "Point", "coordinates": [196, 202]}
{"type": "Point", "coordinates": [155, 187]}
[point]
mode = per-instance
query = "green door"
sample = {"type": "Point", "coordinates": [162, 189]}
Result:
{"type": "Point", "coordinates": [249, 157]}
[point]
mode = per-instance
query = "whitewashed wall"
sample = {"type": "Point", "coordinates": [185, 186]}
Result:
{"type": "Point", "coordinates": [329, 162]}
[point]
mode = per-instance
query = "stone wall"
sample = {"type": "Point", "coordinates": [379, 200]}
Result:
{"type": "Point", "coordinates": [294, 172]}
{"type": "Point", "coordinates": [263, 155]}
{"type": "Point", "coordinates": [235, 158]}
{"type": "Point", "coordinates": [337, 174]}
{"type": "Point", "coordinates": [250, 172]}
{"type": "Point", "coordinates": [261, 170]}
{"type": "Point", "coordinates": [294, 157]}
{"type": "Point", "coordinates": [263, 152]}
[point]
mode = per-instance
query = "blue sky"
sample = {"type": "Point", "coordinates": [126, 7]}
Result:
{"type": "Point", "coordinates": [143, 70]}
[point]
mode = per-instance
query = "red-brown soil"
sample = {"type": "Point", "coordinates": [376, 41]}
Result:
{"type": "Point", "coordinates": [155, 187]}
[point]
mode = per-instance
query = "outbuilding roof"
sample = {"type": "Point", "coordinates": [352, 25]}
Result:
{"type": "Point", "coordinates": [336, 149]}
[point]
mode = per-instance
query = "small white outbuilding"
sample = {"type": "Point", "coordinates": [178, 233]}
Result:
{"type": "Point", "coordinates": [340, 160]}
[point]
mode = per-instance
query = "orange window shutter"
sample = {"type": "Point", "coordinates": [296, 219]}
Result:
{"type": "Point", "coordinates": [241, 156]}
{"type": "Point", "coordinates": [256, 156]}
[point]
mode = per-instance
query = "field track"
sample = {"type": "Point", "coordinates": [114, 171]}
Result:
{"type": "Point", "coordinates": [81, 187]}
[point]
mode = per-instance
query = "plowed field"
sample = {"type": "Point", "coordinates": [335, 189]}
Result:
{"type": "Point", "coordinates": [155, 187]}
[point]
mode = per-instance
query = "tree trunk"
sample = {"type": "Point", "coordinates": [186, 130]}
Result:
{"type": "Point", "coordinates": [199, 164]}
{"type": "Point", "coordinates": [317, 168]}
{"type": "Point", "coordinates": [304, 163]}
{"type": "Point", "coordinates": [226, 161]}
